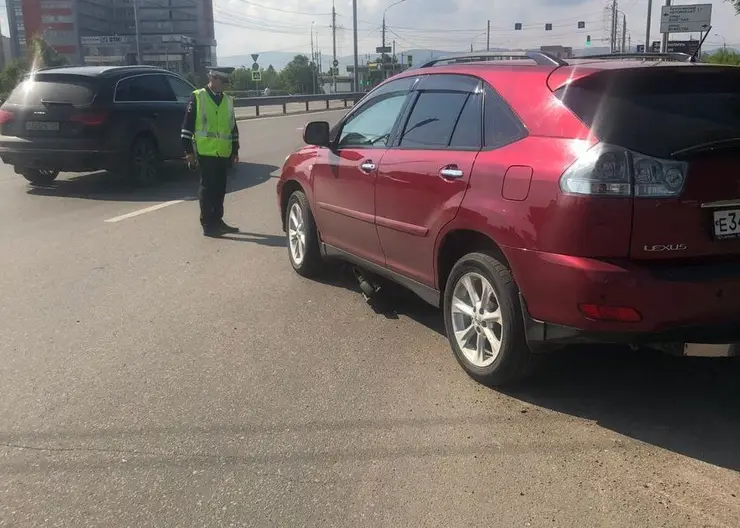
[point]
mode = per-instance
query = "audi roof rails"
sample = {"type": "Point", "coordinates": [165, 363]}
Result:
{"type": "Point", "coordinates": [539, 57]}
{"type": "Point", "coordinates": [676, 57]}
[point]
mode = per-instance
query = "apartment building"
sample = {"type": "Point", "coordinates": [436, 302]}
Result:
{"type": "Point", "coordinates": [175, 34]}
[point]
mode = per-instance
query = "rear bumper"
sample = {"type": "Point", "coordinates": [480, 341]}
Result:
{"type": "Point", "coordinates": [699, 304]}
{"type": "Point", "coordinates": [77, 156]}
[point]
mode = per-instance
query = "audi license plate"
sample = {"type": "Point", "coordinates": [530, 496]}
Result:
{"type": "Point", "coordinates": [51, 126]}
{"type": "Point", "coordinates": [727, 224]}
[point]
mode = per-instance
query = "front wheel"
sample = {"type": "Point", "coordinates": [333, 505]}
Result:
{"type": "Point", "coordinates": [303, 238]}
{"type": "Point", "coordinates": [484, 322]}
{"type": "Point", "coordinates": [40, 176]}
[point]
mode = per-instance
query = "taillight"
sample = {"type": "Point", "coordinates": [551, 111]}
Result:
{"type": "Point", "coordinates": [606, 170]}
{"type": "Point", "coordinates": [91, 118]}
{"type": "Point", "coordinates": [6, 116]}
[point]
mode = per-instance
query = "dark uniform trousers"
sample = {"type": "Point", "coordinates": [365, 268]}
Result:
{"type": "Point", "coordinates": [213, 171]}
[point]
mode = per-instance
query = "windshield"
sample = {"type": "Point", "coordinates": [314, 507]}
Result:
{"type": "Point", "coordinates": [660, 111]}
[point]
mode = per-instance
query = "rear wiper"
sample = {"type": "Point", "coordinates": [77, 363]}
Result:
{"type": "Point", "coordinates": [706, 147]}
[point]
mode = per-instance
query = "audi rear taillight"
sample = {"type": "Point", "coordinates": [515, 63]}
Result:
{"type": "Point", "coordinates": [6, 116]}
{"type": "Point", "coordinates": [607, 170]}
{"type": "Point", "coordinates": [91, 118]}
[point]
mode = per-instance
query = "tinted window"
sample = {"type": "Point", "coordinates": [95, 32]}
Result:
{"type": "Point", "coordinates": [372, 125]}
{"type": "Point", "coordinates": [69, 90]}
{"type": "Point", "coordinates": [144, 88]}
{"type": "Point", "coordinates": [433, 119]}
{"type": "Point", "coordinates": [468, 131]}
{"type": "Point", "coordinates": [181, 89]}
{"type": "Point", "coordinates": [661, 111]}
{"type": "Point", "coordinates": [501, 125]}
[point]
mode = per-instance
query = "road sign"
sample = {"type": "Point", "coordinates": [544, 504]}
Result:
{"type": "Point", "coordinates": [255, 56]}
{"type": "Point", "coordinates": [517, 26]}
{"type": "Point", "coordinates": [335, 72]}
{"type": "Point", "coordinates": [683, 46]}
{"type": "Point", "coordinates": [257, 76]}
{"type": "Point", "coordinates": [381, 49]}
{"type": "Point", "coordinates": [581, 24]}
{"type": "Point", "coordinates": [255, 67]}
{"type": "Point", "coordinates": [548, 27]}
{"type": "Point", "coordinates": [335, 63]}
{"type": "Point", "coordinates": [685, 18]}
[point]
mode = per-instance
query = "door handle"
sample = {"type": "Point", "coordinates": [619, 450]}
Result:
{"type": "Point", "coordinates": [367, 166]}
{"type": "Point", "coordinates": [451, 172]}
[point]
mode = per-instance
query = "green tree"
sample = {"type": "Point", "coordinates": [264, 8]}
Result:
{"type": "Point", "coordinates": [298, 76]}
{"type": "Point", "coordinates": [41, 55]}
{"type": "Point", "coordinates": [723, 56]}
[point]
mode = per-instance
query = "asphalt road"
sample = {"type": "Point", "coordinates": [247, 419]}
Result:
{"type": "Point", "coordinates": [153, 377]}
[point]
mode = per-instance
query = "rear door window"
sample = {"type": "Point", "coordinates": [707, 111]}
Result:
{"type": "Point", "coordinates": [68, 90]}
{"type": "Point", "coordinates": [660, 110]}
{"type": "Point", "coordinates": [433, 120]}
{"type": "Point", "coordinates": [502, 126]}
{"type": "Point", "coordinates": [181, 89]}
{"type": "Point", "coordinates": [144, 89]}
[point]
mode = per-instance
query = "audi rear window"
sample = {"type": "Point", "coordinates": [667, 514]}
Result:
{"type": "Point", "coordinates": [658, 110]}
{"type": "Point", "coordinates": [48, 89]}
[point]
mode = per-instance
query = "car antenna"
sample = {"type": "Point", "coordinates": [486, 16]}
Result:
{"type": "Point", "coordinates": [701, 43]}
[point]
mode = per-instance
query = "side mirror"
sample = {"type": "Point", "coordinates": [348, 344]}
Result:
{"type": "Point", "coordinates": [317, 133]}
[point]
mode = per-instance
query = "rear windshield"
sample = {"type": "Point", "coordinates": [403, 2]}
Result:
{"type": "Point", "coordinates": [658, 110]}
{"type": "Point", "coordinates": [67, 90]}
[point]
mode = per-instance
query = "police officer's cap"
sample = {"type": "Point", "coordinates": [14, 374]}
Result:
{"type": "Point", "coordinates": [221, 73]}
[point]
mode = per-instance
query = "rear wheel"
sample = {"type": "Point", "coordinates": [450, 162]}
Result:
{"type": "Point", "coordinates": [40, 176]}
{"type": "Point", "coordinates": [145, 164]}
{"type": "Point", "coordinates": [483, 320]}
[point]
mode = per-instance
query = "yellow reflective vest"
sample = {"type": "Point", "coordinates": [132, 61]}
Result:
{"type": "Point", "coordinates": [213, 125]}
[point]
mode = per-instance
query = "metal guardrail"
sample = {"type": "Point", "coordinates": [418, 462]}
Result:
{"type": "Point", "coordinates": [285, 100]}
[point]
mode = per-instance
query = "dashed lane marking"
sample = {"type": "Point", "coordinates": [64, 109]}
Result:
{"type": "Point", "coordinates": [144, 211]}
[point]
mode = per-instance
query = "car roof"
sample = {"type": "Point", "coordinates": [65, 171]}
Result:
{"type": "Point", "coordinates": [101, 71]}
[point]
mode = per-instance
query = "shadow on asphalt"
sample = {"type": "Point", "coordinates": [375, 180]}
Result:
{"type": "Point", "coordinates": [177, 183]}
{"type": "Point", "coordinates": [689, 406]}
{"type": "Point", "coordinates": [256, 238]}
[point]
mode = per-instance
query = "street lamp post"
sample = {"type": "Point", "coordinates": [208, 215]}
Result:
{"type": "Point", "coordinates": [354, 35]}
{"type": "Point", "coordinates": [382, 55]}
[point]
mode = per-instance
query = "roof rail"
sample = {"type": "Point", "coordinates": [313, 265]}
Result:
{"type": "Point", "coordinates": [671, 56]}
{"type": "Point", "coordinates": [540, 57]}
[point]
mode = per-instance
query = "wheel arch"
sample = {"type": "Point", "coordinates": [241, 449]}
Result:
{"type": "Point", "coordinates": [287, 190]}
{"type": "Point", "coordinates": [457, 242]}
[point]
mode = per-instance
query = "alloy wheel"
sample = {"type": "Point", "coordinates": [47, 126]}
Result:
{"type": "Point", "coordinates": [296, 234]}
{"type": "Point", "coordinates": [476, 319]}
{"type": "Point", "coordinates": [145, 162]}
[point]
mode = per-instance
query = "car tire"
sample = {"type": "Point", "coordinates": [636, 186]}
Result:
{"type": "Point", "coordinates": [40, 176]}
{"type": "Point", "coordinates": [145, 164]}
{"type": "Point", "coordinates": [474, 326]}
{"type": "Point", "coordinates": [302, 236]}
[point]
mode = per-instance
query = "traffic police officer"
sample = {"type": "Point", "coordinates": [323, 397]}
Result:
{"type": "Point", "coordinates": [211, 139]}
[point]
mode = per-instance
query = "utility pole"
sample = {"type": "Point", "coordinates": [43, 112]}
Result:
{"type": "Point", "coordinates": [614, 27]}
{"type": "Point", "coordinates": [488, 37]}
{"type": "Point", "coordinates": [313, 59]}
{"type": "Point", "coordinates": [354, 38]}
{"type": "Point", "coordinates": [624, 31]}
{"type": "Point", "coordinates": [136, 24]}
{"type": "Point", "coordinates": [382, 55]}
{"type": "Point", "coordinates": [393, 62]}
{"type": "Point", "coordinates": [647, 29]}
{"type": "Point", "coordinates": [664, 46]}
{"type": "Point", "coordinates": [334, 43]}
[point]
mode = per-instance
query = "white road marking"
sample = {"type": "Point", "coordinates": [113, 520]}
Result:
{"type": "Point", "coordinates": [143, 211]}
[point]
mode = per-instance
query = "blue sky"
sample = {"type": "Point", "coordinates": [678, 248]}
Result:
{"type": "Point", "coordinates": [246, 26]}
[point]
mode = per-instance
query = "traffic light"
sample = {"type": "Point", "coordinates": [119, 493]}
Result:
{"type": "Point", "coordinates": [548, 27]}
{"type": "Point", "coordinates": [518, 26]}
{"type": "Point", "coordinates": [581, 25]}
{"type": "Point", "coordinates": [588, 40]}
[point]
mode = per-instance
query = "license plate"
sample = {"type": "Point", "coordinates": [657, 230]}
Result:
{"type": "Point", "coordinates": [727, 224]}
{"type": "Point", "coordinates": [706, 350]}
{"type": "Point", "coordinates": [42, 125]}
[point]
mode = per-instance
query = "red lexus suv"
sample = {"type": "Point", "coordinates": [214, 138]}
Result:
{"type": "Point", "coordinates": [538, 202]}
